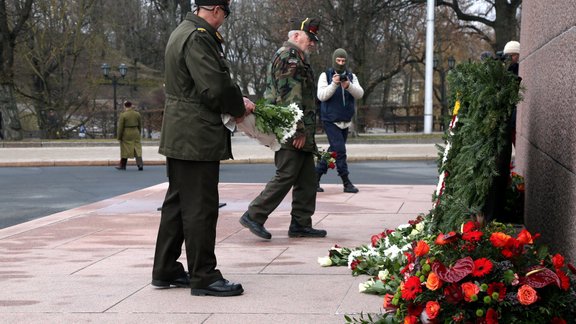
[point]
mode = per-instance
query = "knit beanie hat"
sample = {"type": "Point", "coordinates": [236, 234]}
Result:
{"type": "Point", "coordinates": [340, 52]}
{"type": "Point", "coordinates": [512, 47]}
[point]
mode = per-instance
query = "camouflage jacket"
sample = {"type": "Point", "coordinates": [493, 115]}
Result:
{"type": "Point", "coordinates": [291, 80]}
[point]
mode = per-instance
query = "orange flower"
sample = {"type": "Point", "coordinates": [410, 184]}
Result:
{"type": "Point", "coordinates": [388, 301]}
{"type": "Point", "coordinates": [527, 295]}
{"type": "Point", "coordinates": [433, 282]}
{"type": "Point", "coordinates": [410, 319]}
{"type": "Point", "coordinates": [525, 237]}
{"type": "Point", "coordinates": [499, 239]}
{"type": "Point", "coordinates": [470, 289]}
{"type": "Point", "coordinates": [432, 309]}
{"type": "Point", "coordinates": [421, 248]}
{"type": "Point", "coordinates": [445, 238]}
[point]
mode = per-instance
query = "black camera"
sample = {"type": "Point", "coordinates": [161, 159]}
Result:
{"type": "Point", "coordinates": [343, 76]}
{"type": "Point", "coordinates": [501, 56]}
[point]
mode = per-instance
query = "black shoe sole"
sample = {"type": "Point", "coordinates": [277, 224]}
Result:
{"type": "Point", "coordinates": [207, 292]}
{"type": "Point", "coordinates": [159, 284]}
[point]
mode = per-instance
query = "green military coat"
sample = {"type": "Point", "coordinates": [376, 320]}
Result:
{"type": "Point", "coordinates": [129, 129]}
{"type": "Point", "coordinates": [198, 90]}
{"type": "Point", "coordinates": [291, 80]}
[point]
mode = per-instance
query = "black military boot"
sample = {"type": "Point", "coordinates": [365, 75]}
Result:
{"type": "Point", "coordinates": [348, 186]}
{"type": "Point", "coordinates": [139, 163]}
{"type": "Point", "coordinates": [122, 164]}
{"type": "Point", "coordinates": [318, 188]}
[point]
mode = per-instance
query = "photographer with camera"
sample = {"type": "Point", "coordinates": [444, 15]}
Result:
{"type": "Point", "coordinates": [338, 90]}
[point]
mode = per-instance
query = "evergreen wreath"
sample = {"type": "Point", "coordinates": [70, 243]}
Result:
{"type": "Point", "coordinates": [487, 93]}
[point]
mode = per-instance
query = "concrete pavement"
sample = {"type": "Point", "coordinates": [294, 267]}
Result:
{"type": "Point", "coordinates": [93, 264]}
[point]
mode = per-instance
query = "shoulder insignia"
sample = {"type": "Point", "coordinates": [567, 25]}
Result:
{"type": "Point", "coordinates": [201, 29]}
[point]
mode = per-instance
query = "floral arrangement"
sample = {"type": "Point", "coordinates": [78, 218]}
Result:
{"type": "Point", "coordinates": [328, 157]}
{"type": "Point", "coordinates": [270, 124]}
{"type": "Point", "coordinates": [278, 120]}
{"type": "Point", "coordinates": [491, 274]}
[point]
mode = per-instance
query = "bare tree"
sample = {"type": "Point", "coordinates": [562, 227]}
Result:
{"type": "Point", "coordinates": [501, 16]}
{"type": "Point", "coordinates": [13, 18]}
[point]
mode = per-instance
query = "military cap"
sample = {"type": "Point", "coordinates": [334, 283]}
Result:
{"type": "Point", "coordinates": [211, 2]}
{"type": "Point", "coordinates": [309, 25]}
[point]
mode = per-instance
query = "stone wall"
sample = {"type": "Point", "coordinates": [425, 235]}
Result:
{"type": "Point", "coordinates": [546, 124]}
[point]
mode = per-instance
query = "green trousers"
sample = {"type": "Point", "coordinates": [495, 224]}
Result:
{"type": "Point", "coordinates": [189, 215]}
{"type": "Point", "coordinates": [294, 170]}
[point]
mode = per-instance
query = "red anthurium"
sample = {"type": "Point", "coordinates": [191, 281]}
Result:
{"type": "Point", "coordinates": [539, 277]}
{"type": "Point", "coordinates": [457, 272]}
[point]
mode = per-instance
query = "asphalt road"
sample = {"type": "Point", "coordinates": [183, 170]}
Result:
{"type": "Point", "coordinates": [28, 193]}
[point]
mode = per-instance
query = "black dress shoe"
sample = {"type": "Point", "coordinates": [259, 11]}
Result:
{"type": "Point", "coordinates": [181, 282]}
{"type": "Point", "coordinates": [301, 231]}
{"type": "Point", "coordinates": [220, 288]}
{"type": "Point", "coordinates": [254, 227]}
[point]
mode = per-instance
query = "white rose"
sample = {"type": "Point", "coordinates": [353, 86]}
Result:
{"type": "Point", "coordinates": [325, 261]}
{"type": "Point", "coordinates": [383, 274]}
{"type": "Point", "coordinates": [420, 226]}
{"type": "Point", "coordinates": [363, 286]}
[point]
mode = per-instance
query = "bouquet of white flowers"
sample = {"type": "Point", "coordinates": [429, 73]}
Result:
{"type": "Point", "coordinates": [270, 124]}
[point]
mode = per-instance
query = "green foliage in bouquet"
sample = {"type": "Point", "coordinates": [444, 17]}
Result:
{"type": "Point", "coordinates": [487, 93]}
{"type": "Point", "coordinates": [327, 157]}
{"type": "Point", "coordinates": [278, 120]}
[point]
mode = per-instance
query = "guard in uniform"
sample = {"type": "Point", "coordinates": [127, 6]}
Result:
{"type": "Point", "coordinates": [129, 130]}
{"type": "Point", "coordinates": [291, 80]}
{"type": "Point", "coordinates": [194, 140]}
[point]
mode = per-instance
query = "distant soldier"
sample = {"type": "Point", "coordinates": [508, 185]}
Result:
{"type": "Point", "coordinates": [129, 129]}
{"type": "Point", "coordinates": [291, 80]}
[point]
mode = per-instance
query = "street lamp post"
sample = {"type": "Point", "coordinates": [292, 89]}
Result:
{"type": "Point", "coordinates": [440, 69]}
{"type": "Point", "coordinates": [123, 69]}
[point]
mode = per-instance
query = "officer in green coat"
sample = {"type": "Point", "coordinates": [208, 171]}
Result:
{"type": "Point", "coordinates": [129, 130]}
{"type": "Point", "coordinates": [199, 90]}
{"type": "Point", "coordinates": [291, 80]}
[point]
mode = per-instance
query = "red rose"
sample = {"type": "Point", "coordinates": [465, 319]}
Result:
{"type": "Point", "coordinates": [525, 237]}
{"type": "Point", "coordinates": [527, 295]}
{"type": "Point", "coordinates": [499, 239]}
{"type": "Point", "coordinates": [432, 309]}
{"type": "Point", "coordinates": [433, 282]}
{"type": "Point", "coordinates": [354, 264]}
{"type": "Point", "coordinates": [558, 261]}
{"type": "Point", "coordinates": [331, 165]}
{"type": "Point", "coordinates": [557, 320]}
{"type": "Point", "coordinates": [470, 289]}
{"type": "Point", "coordinates": [333, 154]}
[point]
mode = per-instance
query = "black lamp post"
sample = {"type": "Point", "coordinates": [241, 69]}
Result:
{"type": "Point", "coordinates": [442, 70]}
{"type": "Point", "coordinates": [123, 69]}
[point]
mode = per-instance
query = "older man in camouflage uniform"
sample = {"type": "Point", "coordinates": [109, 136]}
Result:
{"type": "Point", "coordinates": [291, 80]}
